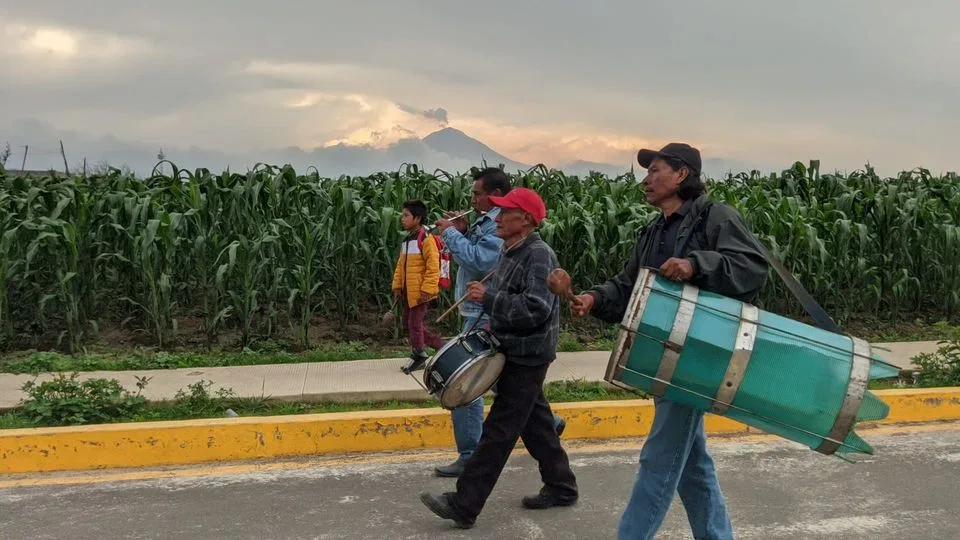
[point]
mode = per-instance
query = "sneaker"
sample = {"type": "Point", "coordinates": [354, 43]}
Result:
{"type": "Point", "coordinates": [416, 362]}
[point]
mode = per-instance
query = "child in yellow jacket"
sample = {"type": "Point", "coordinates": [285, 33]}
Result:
{"type": "Point", "coordinates": [417, 280]}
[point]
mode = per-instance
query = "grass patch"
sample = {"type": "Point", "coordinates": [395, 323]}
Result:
{"type": "Point", "coordinates": [35, 362]}
{"type": "Point", "coordinates": [144, 359]}
{"type": "Point", "coordinates": [66, 401]}
{"type": "Point", "coordinates": [876, 330]}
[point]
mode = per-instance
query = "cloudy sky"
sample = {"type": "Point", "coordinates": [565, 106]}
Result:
{"type": "Point", "coordinates": [751, 81]}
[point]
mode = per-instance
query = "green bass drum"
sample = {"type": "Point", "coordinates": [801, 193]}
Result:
{"type": "Point", "coordinates": [729, 358]}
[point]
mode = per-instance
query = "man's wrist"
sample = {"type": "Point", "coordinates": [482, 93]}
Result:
{"type": "Point", "coordinates": [445, 232]}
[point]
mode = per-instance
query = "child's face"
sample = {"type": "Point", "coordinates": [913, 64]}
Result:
{"type": "Point", "coordinates": [408, 221]}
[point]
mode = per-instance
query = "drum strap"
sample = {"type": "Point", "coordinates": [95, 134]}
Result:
{"type": "Point", "coordinates": [810, 305]}
{"type": "Point", "coordinates": [820, 317]}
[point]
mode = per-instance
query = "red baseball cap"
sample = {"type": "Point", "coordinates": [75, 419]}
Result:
{"type": "Point", "coordinates": [525, 199]}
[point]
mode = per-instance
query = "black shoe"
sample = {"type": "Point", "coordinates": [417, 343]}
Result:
{"type": "Point", "coordinates": [545, 499]}
{"type": "Point", "coordinates": [416, 362]}
{"type": "Point", "coordinates": [441, 507]}
{"type": "Point", "coordinates": [453, 470]}
{"type": "Point", "coordinates": [562, 425]}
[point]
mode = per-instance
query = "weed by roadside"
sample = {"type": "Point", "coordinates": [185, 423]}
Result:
{"type": "Point", "coordinates": [67, 401]}
{"type": "Point", "coordinates": [941, 368]}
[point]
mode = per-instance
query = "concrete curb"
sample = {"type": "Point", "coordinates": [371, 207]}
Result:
{"type": "Point", "coordinates": [152, 444]}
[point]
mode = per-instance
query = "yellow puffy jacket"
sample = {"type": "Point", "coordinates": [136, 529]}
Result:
{"type": "Point", "coordinates": [418, 271]}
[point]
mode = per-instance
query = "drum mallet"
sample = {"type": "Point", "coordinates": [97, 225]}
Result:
{"type": "Point", "coordinates": [560, 284]}
{"type": "Point", "coordinates": [389, 316]}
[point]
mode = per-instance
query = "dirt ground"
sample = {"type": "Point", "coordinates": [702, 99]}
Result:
{"type": "Point", "coordinates": [372, 335]}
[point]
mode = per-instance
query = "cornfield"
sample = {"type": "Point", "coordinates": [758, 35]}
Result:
{"type": "Point", "coordinates": [269, 250]}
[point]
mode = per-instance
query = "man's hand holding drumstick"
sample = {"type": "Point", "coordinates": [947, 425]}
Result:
{"type": "Point", "coordinates": [475, 291]}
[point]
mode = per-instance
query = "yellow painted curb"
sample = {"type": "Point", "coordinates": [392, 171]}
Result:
{"type": "Point", "coordinates": [229, 439]}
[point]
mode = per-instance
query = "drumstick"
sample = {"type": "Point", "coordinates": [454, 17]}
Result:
{"type": "Point", "coordinates": [464, 297]}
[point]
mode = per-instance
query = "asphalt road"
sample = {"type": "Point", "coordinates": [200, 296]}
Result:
{"type": "Point", "coordinates": [910, 489]}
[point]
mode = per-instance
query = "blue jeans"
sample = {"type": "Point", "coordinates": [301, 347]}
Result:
{"type": "Point", "coordinates": [468, 420]}
{"type": "Point", "coordinates": [674, 459]}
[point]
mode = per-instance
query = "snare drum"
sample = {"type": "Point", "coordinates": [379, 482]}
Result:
{"type": "Point", "coordinates": [464, 369]}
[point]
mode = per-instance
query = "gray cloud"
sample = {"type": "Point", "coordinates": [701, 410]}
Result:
{"type": "Point", "coordinates": [439, 114]}
{"type": "Point", "coordinates": [752, 80]}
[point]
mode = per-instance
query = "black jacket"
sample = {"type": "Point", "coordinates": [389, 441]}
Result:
{"type": "Point", "coordinates": [726, 258]}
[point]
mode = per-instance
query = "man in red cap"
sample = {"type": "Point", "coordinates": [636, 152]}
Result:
{"type": "Point", "coordinates": [525, 319]}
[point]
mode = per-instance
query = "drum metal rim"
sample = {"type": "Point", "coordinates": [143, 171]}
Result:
{"type": "Point", "coordinates": [621, 351]}
{"type": "Point", "coordinates": [739, 359]}
{"type": "Point", "coordinates": [686, 307]}
{"type": "Point", "coordinates": [638, 302]}
{"type": "Point", "coordinates": [635, 294]}
{"type": "Point", "coordinates": [640, 305]}
{"type": "Point", "coordinates": [428, 366]}
{"type": "Point", "coordinates": [856, 390]}
{"type": "Point", "coordinates": [464, 366]}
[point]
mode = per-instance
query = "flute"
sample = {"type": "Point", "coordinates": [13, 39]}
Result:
{"type": "Point", "coordinates": [452, 218]}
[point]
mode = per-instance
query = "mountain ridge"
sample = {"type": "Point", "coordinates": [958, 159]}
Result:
{"type": "Point", "coordinates": [448, 149]}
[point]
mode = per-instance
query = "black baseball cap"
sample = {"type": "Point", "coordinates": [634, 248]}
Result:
{"type": "Point", "coordinates": [683, 152]}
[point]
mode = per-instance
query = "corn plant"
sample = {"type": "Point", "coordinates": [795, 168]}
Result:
{"type": "Point", "coordinates": [247, 258]}
{"type": "Point", "coordinates": [270, 248]}
{"type": "Point", "coordinates": [8, 264]}
{"type": "Point", "coordinates": [155, 249]}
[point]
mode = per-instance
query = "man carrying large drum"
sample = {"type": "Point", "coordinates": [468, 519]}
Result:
{"type": "Point", "coordinates": [708, 245]}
